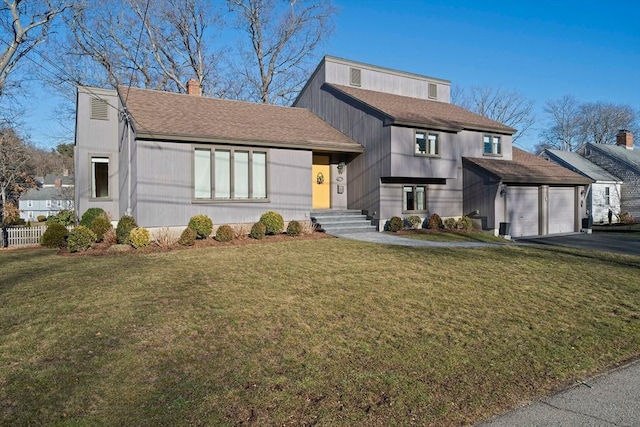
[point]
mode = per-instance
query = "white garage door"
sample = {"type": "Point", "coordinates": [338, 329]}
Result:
{"type": "Point", "coordinates": [522, 210]}
{"type": "Point", "coordinates": [561, 210]}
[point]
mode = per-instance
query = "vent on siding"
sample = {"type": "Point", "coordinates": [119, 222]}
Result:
{"type": "Point", "coordinates": [99, 109]}
{"type": "Point", "coordinates": [433, 91]}
{"type": "Point", "coordinates": [355, 77]}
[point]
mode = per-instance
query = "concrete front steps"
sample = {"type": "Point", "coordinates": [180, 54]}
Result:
{"type": "Point", "coordinates": [342, 221]}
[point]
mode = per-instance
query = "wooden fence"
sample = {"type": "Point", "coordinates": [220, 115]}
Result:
{"type": "Point", "coordinates": [21, 236]}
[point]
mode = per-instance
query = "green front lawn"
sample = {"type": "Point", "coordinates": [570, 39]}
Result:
{"type": "Point", "coordinates": [331, 332]}
{"type": "Point", "coordinates": [450, 236]}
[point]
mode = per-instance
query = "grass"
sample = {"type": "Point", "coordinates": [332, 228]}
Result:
{"type": "Point", "coordinates": [327, 332]}
{"type": "Point", "coordinates": [437, 236]}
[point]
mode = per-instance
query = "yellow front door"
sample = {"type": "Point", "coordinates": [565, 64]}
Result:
{"type": "Point", "coordinates": [321, 182]}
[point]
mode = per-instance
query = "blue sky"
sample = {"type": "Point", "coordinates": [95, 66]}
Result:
{"type": "Point", "coordinates": [544, 49]}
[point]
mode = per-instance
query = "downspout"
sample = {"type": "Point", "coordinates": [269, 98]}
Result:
{"type": "Point", "coordinates": [128, 130]}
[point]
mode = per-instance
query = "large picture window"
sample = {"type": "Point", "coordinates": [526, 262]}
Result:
{"type": "Point", "coordinates": [414, 198]}
{"type": "Point", "coordinates": [229, 174]}
{"type": "Point", "coordinates": [99, 177]}
{"type": "Point", "coordinates": [492, 145]}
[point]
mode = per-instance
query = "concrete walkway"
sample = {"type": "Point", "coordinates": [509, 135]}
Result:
{"type": "Point", "coordinates": [390, 239]}
{"type": "Point", "coordinates": [610, 399]}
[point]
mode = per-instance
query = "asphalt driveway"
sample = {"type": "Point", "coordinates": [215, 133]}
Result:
{"type": "Point", "coordinates": [624, 243]}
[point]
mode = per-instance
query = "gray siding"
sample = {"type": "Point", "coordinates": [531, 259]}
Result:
{"type": "Point", "coordinates": [482, 194]}
{"type": "Point", "coordinates": [164, 187]}
{"type": "Point", "coordinates": [96, 138]}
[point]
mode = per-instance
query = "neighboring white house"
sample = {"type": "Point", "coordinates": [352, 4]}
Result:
{"type": "Point", "coordinates": [54, 194]}
{"type": "Point", "coordinates": [604, 195]}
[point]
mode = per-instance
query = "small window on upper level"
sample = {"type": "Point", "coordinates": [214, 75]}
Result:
{"type": "Point", "coordinates": [427, 144]}
{"type": "Point", "coordinates": [433, 91]}
{"type": "Point", "coordinates": [99, 109]}
{"type": "Point", "coordinates": [355, 77]}
{"type": "Point", "coordinates": [492, 145]}
{"type": "Point", "coordinates": [607, 196]}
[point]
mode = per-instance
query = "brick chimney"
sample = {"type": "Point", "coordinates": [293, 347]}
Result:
{"type": "Point", "coordinates": [58, 182]}
{"type": "Point", "coordinates": [624, 138]}
{"type": "Point", "coordinates": [194, 87]}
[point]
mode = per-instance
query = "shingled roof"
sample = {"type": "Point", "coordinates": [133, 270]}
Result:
{"type": "Point", "coordinates": [525, 168]}
{"type": "Point", "coordinates": [177, 117]}
{"type": "Point", "coordinates": [404, 110]}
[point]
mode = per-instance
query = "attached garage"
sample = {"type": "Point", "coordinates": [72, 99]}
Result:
{"type": "Point", "coordinates": [562, 208]}
{"type": "Point", "coordinates": [523, 210]}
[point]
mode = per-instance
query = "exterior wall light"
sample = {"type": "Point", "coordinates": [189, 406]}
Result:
{"type": "Point", "coordinates": [341, 167]}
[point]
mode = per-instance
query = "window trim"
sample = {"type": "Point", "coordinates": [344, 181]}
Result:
{"type": "Point", "coordinates": [426, 134]}
{"type": "Point", "coordinates": [492, 138]}
{"type": "Point", "coordinates": [109, 180]}
{"type": "Point", "coordinates": [232, 149]}
{"type": "Point", "coordinates": [414, 187]}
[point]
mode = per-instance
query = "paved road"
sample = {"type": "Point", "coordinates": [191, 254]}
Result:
{"type": "Point", "coordinates": [625, 243]}
{"type": "Point", "coordinates": [611, 399]}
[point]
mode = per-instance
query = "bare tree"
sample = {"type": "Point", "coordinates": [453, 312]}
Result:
{"type": "Point", "coordinates": [23, 26]}
{"type": "Point", "coordinates": [283, 37]}
{"type": "Point", "coordinates": [15, 176]}
{"type": "Point", "coordinates": [563, 125]}
{"type": "Point", "coordinates": [600, 121]}
{"type": "Point", "coordinates": [505, 106]}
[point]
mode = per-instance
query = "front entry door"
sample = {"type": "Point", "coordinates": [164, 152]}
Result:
{"type": "Point", "coordinates": [321, 182]}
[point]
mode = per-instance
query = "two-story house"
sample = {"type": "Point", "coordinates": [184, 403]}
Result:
{"type": "Point", "coordinates": [359, 137]}
{"type": "Point", "coordinates": [54, 194]}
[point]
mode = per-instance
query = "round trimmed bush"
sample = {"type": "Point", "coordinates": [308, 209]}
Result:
{"type": "Point", "coordinates": [465, 223]}
{"type": "Point", "coordinates": [414, 221]}
{"type": "Point", "coordinates": [449, 224]}
{"type": "Point", "coordinates": [125, 225]}
{"type": "Point", "coordinates": [435, 222]}
{"type": "Point", "coordinates": [294, 228]}
{"type": "Point", "coordinates": [63, 217]}
{"type": "Point", "coordinates": [188, 237]}
{"type": "Point", "coordinates": [258, 231]}
{"type": "Point", "coordinates": [90, 215]}
{"type": "Point", "coordinates": [101, 225]}
{"type": "Point", "coordinates": [80, 239]}
{"type": "Point", "coordinates": [395, 224]}
{"type": "Point", "coordinates": [139, 237]}
{"type": "Point", "coordinates": [224, 233]}
{"type": "Point", "coordinates": [273, 222]}
{"type": "Point", "coordinates": [202, 225]}
{"type": "Point", "coordinates": [41, 218]}
{"type": "Point", "coordinates": [55, 236]}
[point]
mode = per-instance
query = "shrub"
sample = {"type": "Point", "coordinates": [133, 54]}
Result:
{"type": "Point", "coordinates": [273, 222]}
{"type": "Point", "coordinates": [80, 239]}
{"type": "Point", "coordinates": [435, 222]}
{"type": "Point", "coordinates": [101, 225]}
{"type": "Point", "coordinates": [188, 237]}
{"type": "Point", "coordinates": [110, 237]}
{"type": "Point", "coordinates": [54, 236]}
{"type": "Point", "coordinates": [202, 225]}
{"type": "Point", "coordinates": [41, 218]}
{"type": "Point", "coordinates": [125, 225]}
{"type": "Point", "coordinates": [258, 231]}
{"type": "Point", "coordinates": [63, 217]}
{"type": "Point", "coordinates": [164, 237]}
{"type": "Point", "coordinates": [90, 215]}
{"type": "Point", "coordinates": [395, 224]}
{"type": "Point", "coordinates": [626, 218]}
{"type": "Point", "coordinates": [465, 223]}
{"type": "Point", "coordinates": [11, 215]}
{"type": "Point", "coordinates": [139, 237]}
{"type": "Point", "coordinates": [449, 224]}
{"type": "Point", "coordinates": [224, 233]}
{"type": "Point", "coordinates": [414, 221]}
{"type": "Point", "coordinates": [294, 228]}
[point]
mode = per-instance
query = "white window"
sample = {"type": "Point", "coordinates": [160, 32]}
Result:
{"type": "Point", "coordinates": [229, 174]}
{"type": "Point", "coordinates": [492, 145]}
{"type": "Point", "coordinates": [29, 203]}
{"type": "Point", "coordinates": [99, 177]}
{"type": "Point", "coordinates": [427, 143]}
{"type": "Point", "coordinates": [414, 198]}
{"type": "Point", "coordinates": [60, 203]}
{"type": "Point", "coordinates": [30, 214]}
{"type": "Point", "coordinates": [48, 203]}
{"type": "Point", "coordinates": [607, 196]}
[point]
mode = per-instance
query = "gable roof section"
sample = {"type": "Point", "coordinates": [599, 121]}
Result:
{"type": "Point", "coordinates": [47, 193]}
{"type": "Point", "coordinates": [178, 117]}
{"type": "Point", "coordinates": [65, 180]}
{"type": "Point", "coordinates": [525, 168]}
{"type": "Point", "coordinates": [404, 110]}
{"type": "Point", "coordinates": [630, 158]}
{"type": "Point", "coordinates": [579, 164]}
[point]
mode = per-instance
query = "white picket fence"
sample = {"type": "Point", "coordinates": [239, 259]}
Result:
{"type": "Point", "coordinates": [22, 236]}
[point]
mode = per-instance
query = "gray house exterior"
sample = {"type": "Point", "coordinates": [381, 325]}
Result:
{"type": "Point", "coordinates": [622, 161]}
{"type": "Point", "coordinates": [359, 137]}
{"type": "Point", "coordinates": [604, 194]}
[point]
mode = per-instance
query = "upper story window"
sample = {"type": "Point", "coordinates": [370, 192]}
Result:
{"type": "Point", "coordinates": [433, 91]}
{"type": "Point", "coordinates": [607, 196]}
{"type": "Point", "coordinates": [60, 203]}
{"type": "Point", "coordinates": [427, 144]}
{"type": "Point", "coordinates": [229, 174]}
{"type": "Point", "coordinates": [29, 203]}
{"type": "Point", "coordinates": [48, 203]}
{"type": "Point", "coordinates": [99, 177]}
{"type": "Point", "coordinates": [492, 145]}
